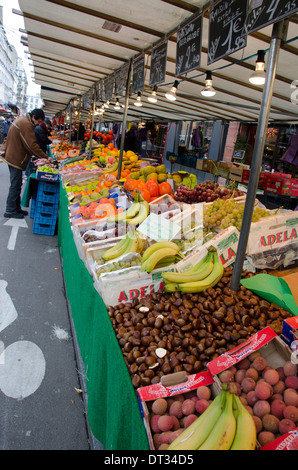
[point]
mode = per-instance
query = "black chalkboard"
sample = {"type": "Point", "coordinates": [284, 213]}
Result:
{"type": "Point", "coordinates": [226, 22]}
{"type": "Point", "coordinates": [262, 13]}
{"type": "Point", "coordinates": [189, 44]}
{"type": "Point", "coordinates": [109, 86]}
{"type": "Point", "coordinates": [121, 75]}
{"type": "Point", "coordinates": [138, 73]}
{"type": "Point", "coordinates": [158, 64]}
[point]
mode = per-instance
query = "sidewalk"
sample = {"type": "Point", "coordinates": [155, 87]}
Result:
{"type": "Point", "coordinates": [41, 405]}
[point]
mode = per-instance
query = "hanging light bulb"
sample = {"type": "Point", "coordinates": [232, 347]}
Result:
{"type": "Point", "coordinates": [208, 90]}
{"type": "Point", "coordinates": [117, 105]}
{"type": "Point", "coordinates": [139, 100]}
{"type": "Point", "coordinates": [259, 76]}
{"type": "Point", "coordinates": [171, 95]}
{"type": "Point", "coordinates": [152, 98]}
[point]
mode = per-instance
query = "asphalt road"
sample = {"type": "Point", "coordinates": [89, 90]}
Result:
{"type": "Point", "coordinates": [41, 406]}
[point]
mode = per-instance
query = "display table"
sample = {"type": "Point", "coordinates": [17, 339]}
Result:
{"type": "Point", "coordinates": [113, 413]}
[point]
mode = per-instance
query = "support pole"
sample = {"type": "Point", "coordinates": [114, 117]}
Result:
{"type": "Point", "coordinates": [277, 36]}
{"type": "Point", "coordinates": [92, 124]}
{"type": "Point", "coordinates": [70, 123]}
{"type": "Point", "coordinates": [124, 122]}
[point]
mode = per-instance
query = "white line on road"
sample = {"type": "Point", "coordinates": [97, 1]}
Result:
{"type": "Point", "coordinates": [15, 224]}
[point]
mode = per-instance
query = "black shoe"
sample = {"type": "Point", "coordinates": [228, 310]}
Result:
{"type": "Point", "coordinates": [15, 215]}
{"type": "Point", "coordinates": [21, 211]}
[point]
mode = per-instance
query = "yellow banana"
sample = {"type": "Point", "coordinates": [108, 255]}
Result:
{"type": "Point", "coordinates": [141, 216]}
{"type": "Point", "coordinates": [197, 433]}
{"type": "Point", "coordinates": [222, 434]}
{"type": "Point", "coordinates": [167, 261]}
{"type": "Point", "coordinates": [131, 212]}
{"type": "Point", "coordinates": [116, 250]}
{"type": "Point", "coordinates": [246, 435]}
{"type": "Point", "coordinates": [209, 281]}
{"type": "Point", "coordinates": [171, 287]}
{"type": "Point", "coordinates": [132, 246]}
{"type": "Point", "coordinates": [157, 246]}
{"type": "Point", "coordinates": [156, 257]}
{"type": "Point", "coordinates": [204, 271]}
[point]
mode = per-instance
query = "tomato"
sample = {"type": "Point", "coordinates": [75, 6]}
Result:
{"type": "Point", "coordinates": [152, 186]}
{"type": "Point", "coordinates": [144, 193]}
{"type": "Point", "coordinates": [165, 188]}
{"type": "Point", "coordinates": [111, 132]}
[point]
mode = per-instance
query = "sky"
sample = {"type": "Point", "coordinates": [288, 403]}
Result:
{"type": "Point", "coordinates": [12, 23]}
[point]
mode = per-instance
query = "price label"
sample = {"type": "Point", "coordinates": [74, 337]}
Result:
{"type": "Point", "coordinates": [189, 45]}
{"type": "Point", "coordinates": [226, 22]}
{"type": "Point", "coordinates": [159, 229]}
{"type": "Point", "coordinates": [262, 13]}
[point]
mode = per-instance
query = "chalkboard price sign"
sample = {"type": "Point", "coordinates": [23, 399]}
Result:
{"type": "Point", "coordinates": [189, 43]}
{"type": "Point", "coordinates": [121, 79]}
{"type": "Point", "coordinates": [226, 22]}
{"type": "Point", "coordinates": [138, 73]}
{"type": "Point", "coordinates": [158, 64]}
{"type": "Point", "coordinates": [109, 86]}
{"type": "Point", "coordinates": [262, 13]}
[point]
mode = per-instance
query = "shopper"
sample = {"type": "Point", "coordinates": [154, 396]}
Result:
{"type": "Point", "coordinates": [7, 124]}
{"type": "Point", "coordinates": [1, 130]}
{"type": "Point", "coordinates": [17, 150]}
{"type": "Point", "coordinates": [42, 132]}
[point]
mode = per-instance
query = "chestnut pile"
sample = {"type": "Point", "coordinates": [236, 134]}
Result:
{"type": "Point", "coordinates": [172, 332]}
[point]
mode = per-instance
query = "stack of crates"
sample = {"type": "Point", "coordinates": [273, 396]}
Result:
{"type": "Point", "coordinates": [46, 208]}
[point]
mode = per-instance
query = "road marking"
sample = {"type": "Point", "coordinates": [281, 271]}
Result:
{"type": "Point", "coordinates": [22, 370]}
{"type": "Point", "coordinates": [8, 313]}
{"type": "Point", "coordinates": [15, 224]}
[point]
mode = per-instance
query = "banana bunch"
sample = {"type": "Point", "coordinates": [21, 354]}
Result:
{"type": "Point", "coordinates": [225, 425]}
{"type": "Point", "coordinates": [131, 243]}
{"type": "Point", "coordinates": [135, 215]}
{"type": "Point", "coordinates": [160, 254]}
{"type": "Point", "coordinates": [206, 273]}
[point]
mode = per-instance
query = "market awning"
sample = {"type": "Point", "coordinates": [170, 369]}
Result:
{"type": "Point", "coordinates": [74, 44]}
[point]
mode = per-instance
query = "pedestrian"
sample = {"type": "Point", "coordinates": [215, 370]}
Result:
{"type": "Point", "coordinates": [7, 124]}
{"type": "Point", "coordinates": [1, 129]}
{"type": "Point", "coordinates": [17, 150]}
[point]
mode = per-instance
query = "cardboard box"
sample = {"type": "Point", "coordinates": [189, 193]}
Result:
{"type": "Point", "coordinates": [290, 331]}
{"type": "Point", "coordinates": [262, 178]}
{"type": "Point", "coordinates": [277, 184]}
{"type": "Point", "coordinates": [288, 441]}
{"type": "Point", "coordinates": [266, 342]}
{"type": "Point", "coordinates": [226, 243]}
{"type": "Point", "coordinates": [199, 165]}
{"type": "Point", "coordinates": [272, 241]}
{"type": "Point", "coordinates": [236, 174]}
{"type": "Point", "coordinates": [270, 345]}
{"type": "Point", "coordinates": [294, 187]}
{"type": "Point", "coordinates": [171, 385]}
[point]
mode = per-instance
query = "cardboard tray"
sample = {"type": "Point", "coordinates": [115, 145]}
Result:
{"type": "Point", "coordinates": [171, 385]}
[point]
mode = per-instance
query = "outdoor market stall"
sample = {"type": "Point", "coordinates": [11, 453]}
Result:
{"type": "Point", "coordinates": [157, 305]}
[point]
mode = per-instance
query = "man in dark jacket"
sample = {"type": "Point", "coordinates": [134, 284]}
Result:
{"type": "Point", "coordinates": [7, 124]}
{"type": "Point", "coordinates": [41, 133]}
{"type": "Point", "coordinates": [17, 150]}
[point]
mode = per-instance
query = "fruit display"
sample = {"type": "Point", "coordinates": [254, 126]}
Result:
{"type": "Point", "coordinates": [205, 192]}
{"type": "Point", "coordinates": [134, 216]}
{"type": "Point", "coordinates": [205, 274]}
{"type": "Point", "coordinates": [269, 394]}
{"type": "Point", "coordinates": [48, 168]}
{"type": "Point", "coordinates": [160, 254]}
{"type": "Point", "coordinates": [149, 190]}
{"type": "Point", "coordinates": [224, 425]}
{"type": "Point", "coordinates": [192, 328]}
{"type": "Point", "coordinates": [132, 242]}
{"type": "Point", "coordinates": [117, 265]}
{"type": "Point", "coordinates": [223, 213]}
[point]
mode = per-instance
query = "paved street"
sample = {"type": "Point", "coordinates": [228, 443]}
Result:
{"type": "Point", "coordinates": [41, 407]}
